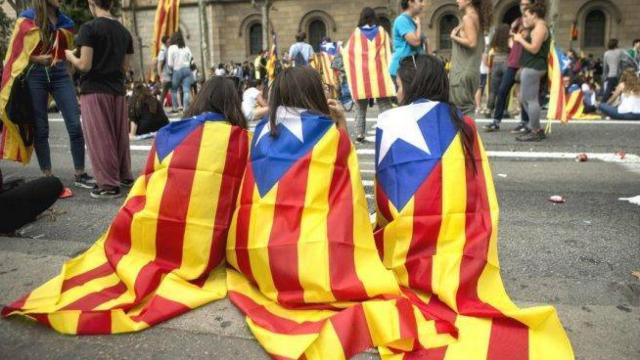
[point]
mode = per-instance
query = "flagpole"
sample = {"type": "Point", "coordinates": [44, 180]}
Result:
{"type": "Point", "coordinates": [203, 45]}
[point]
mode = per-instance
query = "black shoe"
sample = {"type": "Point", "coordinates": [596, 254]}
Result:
{"type": "Point", "coordinates": [127, 183]}
{"type": "Point", "coordinates": [534, 136]}
{"type": "Point", "coordinates": [100, 193]}
{"type": "Point", "coordinates": [361, 140]}
{"type": "Point", "coordinates": [520, 129]}
{"type": "Point", "coordinates": [84, 181]}
{"type": "Point", "coordinates": [492, 127]}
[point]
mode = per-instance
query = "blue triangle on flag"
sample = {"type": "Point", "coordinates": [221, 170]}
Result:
{"type": "Point", "coordinates": [170, 136]}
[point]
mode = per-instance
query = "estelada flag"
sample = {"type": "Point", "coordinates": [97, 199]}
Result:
{"type": "Point", "coordinates": [366, 63]}
{"type": "Point", "coordinates": [575, 104]}
{"type": "Point", "coordinates": [437, 215]}
{"type": "Point", "coordinates": [307, 273]}
{"type": "Point", "coordinates": [166, 23]}
{"type": "Point", "coordinates": [25, 41]}
{"type": "Point", "coordinates": [557, 96]}
{"type": "Point", "coordinates": [322, 63]}
{"type": "Point", "coordinates": [163, 254]}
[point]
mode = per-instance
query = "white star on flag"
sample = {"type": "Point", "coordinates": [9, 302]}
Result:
{"type": "Point", "coordinates": [402, 123]}
{"type": "Point", "coordinates": [291, 118]}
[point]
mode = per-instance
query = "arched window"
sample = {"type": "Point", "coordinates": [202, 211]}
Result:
{"type": "Point", "coordinates": [594, 28]}
{"type": "Point", "coordinates": [317, 30]}
{"type": "Point", "coordinates": [255, 38]}
{"type": "Point", "coordinates": [385, 23]}
{"type": "Point", "coordinates": [447, 23]}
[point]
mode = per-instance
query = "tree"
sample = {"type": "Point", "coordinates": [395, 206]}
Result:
{"type": "Point", "coordinates": [6, 26]}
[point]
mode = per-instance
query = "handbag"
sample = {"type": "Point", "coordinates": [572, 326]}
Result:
{"type": "Point", "coordinates": [20, 108]}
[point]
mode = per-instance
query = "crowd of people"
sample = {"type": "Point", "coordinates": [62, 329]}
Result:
{"type": "Point", "coordinates": [116, 109]}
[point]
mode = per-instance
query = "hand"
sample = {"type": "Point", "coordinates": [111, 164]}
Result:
{"type": "Point", "coordinates": [417, 21]}
{"type": "Point", "coordinates": [454, 32]}
{"type": "Point", "coordinates": [42, 59]}
{"type": "Point", "coordinates": [337, 114]}
{"type": "Point", "coordinates": [68, 54]}
{"type": "Point", "coordinates": [518, 38]}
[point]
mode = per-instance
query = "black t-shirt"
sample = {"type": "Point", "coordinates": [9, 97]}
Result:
{"type": "Point", "coordinates": [110, 42]}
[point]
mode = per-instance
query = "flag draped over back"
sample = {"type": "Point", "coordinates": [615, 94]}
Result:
{"type": "Point", "coordinates": [307, 272]}
{"type": "Point", "coordinates": [322, 63]}
{"type": "Point", "coordinates": [161, 255]}
{"type": "Point", "coordinates": [166, 23]}
{"type": "Point", "coordinates": [437, 230]}
{"type": "Point", "coordinates": [366, 63]}
{"type": "Point", "coordinates": [24, 41]}
{"type": "Point", "coordinates": [557, 95]}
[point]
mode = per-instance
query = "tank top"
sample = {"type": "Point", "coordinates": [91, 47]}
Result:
{"type": "Point", "coordinates": [536, 61]}
{"type": "Point", "coordinates": [466, 60]}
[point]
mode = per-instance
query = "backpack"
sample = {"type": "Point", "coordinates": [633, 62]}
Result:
{"type": "Point", "coordinates": [20, 109]}
{"type": "Point", "coordinates": [299, 59]}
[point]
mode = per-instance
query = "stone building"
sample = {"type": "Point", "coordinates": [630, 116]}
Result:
{"type": "Point", "coordinates": [235, 31]}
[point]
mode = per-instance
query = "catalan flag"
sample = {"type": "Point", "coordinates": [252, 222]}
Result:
{"type": "Point", "coordinates": [166, 23]}
{"type": "Point", "coordinates": [322, 63]}
{"type": "Point", "coordinates": [575, 104]}
{"type": "Point", "coordinates": [163, 254]}
{"type": "Point", "coordinates": [557, 96]}
{"type": "Point", "coordinates": [25, 41]}
{"type": "Point", "coordinates": [437, 230]}
{"type": "Point", "coordinates": [366, 63]}
{"type": "Point", "coordinates": [306, 271]}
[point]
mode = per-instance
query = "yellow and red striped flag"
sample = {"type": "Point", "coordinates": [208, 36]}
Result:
{"type": "Point", "coordinates": [163, 254]}
{"type": "Point", "coordinates": [437, 215]}
{"type": "Point", "coordinates": [166, 23]}
{"type": "Point", "coordinates": [557, 96]}
{"type": "Point", "coordinates": [25, 40]}
{"type": "Point", "coordinates": [575, 104]}
{"type": "Point", "coordinates": [322, 63]}
{"type": "Point", "coordinates": [366, 63]}
{"type": "Point", "coordinates": [307, 273]}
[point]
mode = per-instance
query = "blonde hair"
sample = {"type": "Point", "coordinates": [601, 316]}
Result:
{"type": "Point", "coordinates": [631, 82]}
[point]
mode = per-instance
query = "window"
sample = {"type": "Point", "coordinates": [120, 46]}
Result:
{"type": "Point", "coordinates": [255, 39]}
{"type": "Point", "coordinates": [447, 23]}
{"type": "Point", "coordinates": [385, 23]}
{"type": "Point", "coordinates": [594, 29]}
{"type": "Point", "coordinates": [317, 30]}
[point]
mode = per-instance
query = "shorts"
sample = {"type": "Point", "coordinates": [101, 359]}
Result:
{"type": "Point", "coordinates": [483, 81]}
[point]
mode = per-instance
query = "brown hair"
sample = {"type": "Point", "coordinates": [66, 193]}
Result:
{"type": "Point", "coordinates": [40, 7]}
{"type": "Point", "coordinates": [142, 96]}
{"type": "Point", "coordinates": [297, 87]}
{"type": "Point", "coordinates": [500, 40]}
{"type": "Point", "coordinates": [484, 9]}
{"type": "Point", "coordinates": [631, 81]}
{"type": "Point", "coordinates": [537, 8]}
{"type": "Point", "coordinates": [219, 95]}
{"type": "Point", "coordinates": [301, 36]}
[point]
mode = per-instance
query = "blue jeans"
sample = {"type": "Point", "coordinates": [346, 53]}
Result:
{"type": "Point", "coordinates": [185, 78]}
{"type": "Point", "coordinates": [56, 81]}
{"type": "Point", "coordinates": [508, 80]}
{"type": "Point", "coordinates": [612, 112]}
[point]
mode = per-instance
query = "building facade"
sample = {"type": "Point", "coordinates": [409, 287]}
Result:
{"type": "Point", "coordinates": [234, 29]}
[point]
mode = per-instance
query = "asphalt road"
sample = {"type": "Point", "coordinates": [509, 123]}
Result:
{"type": "Point", "coordinates": [577, 256]}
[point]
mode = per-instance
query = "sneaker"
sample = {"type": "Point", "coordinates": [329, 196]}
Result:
{"type": "Point", "coordinates": [100, 193]}
{"type": "Point", "coordinates": [84, 181]}
{"type": "Point", "coordinates": [520, 129]}
{"type": "Point", "coordinates": [492, 127]}
{"type": "Point", "coordinates": [534, 136]}
{"type": "Point", "coordinates": [127, 183]}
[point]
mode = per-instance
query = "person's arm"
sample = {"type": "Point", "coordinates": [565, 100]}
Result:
{"type": "Point", "coordinates": [82, 63]}
{"type": "Point", "coordinates": [45, 60]}
{"type": "Point", "coordinates": [538, 36]}
{"type": "Point", "coordinates": [171, 53]}
{"type": "Point", "coordinates": [616, 94]}
{"type": "Point", "coordinates": [161, 59]}
{"type": "Point", "coordinates": [605, 65]}
{"type": "Point", "coordinates": [414, 38]}
{"type": "Point", "coordinates": [469, 38]}
{"type": "Point", "coordinates": [261, 101]}
{"type": "Point", "coordinates": [337, 114]}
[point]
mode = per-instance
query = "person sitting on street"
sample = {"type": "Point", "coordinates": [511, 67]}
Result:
{"type": "Point", "coordinates": [254, 106]}
{"type": "Point", "coordinates": [146, 115]}
{"type": "Point", "coordinates": [629, 93]}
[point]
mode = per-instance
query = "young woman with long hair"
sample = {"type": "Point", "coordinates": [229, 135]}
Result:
{"type": "Point", "coordinates": [146, 114]}
{"type": "Point", "coordinates": [500, 47]}
{"type": "Point", "coordinates": [179, 60]}
{"type": "Point", "coordinates": [466, 55]}
{"type": "Point", "coordinates": [46, 75]}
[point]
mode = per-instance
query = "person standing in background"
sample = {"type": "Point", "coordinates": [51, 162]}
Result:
{"type": "Point", "coordinates": [179, 59]}
{"type": "Point", "coordinates": [163, 68]}
{"type": "Point", "coordinates": [407, 34]}
{"type": "Point", "coordinates": [500, 48]}
{"type": "Point", "coordinates": [106, 48]}
{"type": "Point", "coordinates": [467, 41]}
{"type": "Point", "coordinates": [509, 79]}
{"type": "Point", "coordinates": [301, 52]}
{"type": "Point", "coordinates": [611, 59]}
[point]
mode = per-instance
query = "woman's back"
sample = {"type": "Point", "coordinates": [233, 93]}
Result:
{"type": "Point", "coordinates": [179, 57]}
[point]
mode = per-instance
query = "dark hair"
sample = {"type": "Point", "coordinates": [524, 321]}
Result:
{"type": "Point", "coordinates": [165, 38]}
{"type": "Point", "coordinates": [220, 95]}
{"type": "Point", "coordinates": [104, 4]}
{"type": "Point", "coordinates": [424, 77]}
{"type": "Point", "coordinates": [301, 36]}
{"type": "Point", "coordinates": [404, 4]}
{"type": "Point", "coordinates": [484, 8]}
{"type": "Point", "coordinates": [613, 43]}
{"type": "Point", "coordinates": [140, 97]}
{"type": "Point", "coordinates": [367, 17]}
{"type": "Point", "coordinates": [500, 40]}
{"type": "Point", "coordinates": [177, 39]}
{"type": "Point", "coordinates": [537, 8]}
{"type": "Point", "coordinates": [635, 41]}
{"type": "Point", "coordinates": [296, 87]}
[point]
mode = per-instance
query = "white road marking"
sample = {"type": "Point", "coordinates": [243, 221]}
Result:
{"type": "Point", "coordinates": [634, 200]}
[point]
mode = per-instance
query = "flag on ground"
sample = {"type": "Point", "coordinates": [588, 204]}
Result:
{"type": "Point", "coordinates": [25, 40]}
{"type": "Point", "coordinates": [366, 63]}
{"type": "Point", "coordinates": [437, 230]}
{"type": "Point", "coordinates": [163, 254]}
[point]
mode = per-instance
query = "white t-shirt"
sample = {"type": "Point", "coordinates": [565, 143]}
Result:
{"type": "Point", "coordinates": [249, 101]}
{"type": "Point", "coordinates": [629, 103]}
{"type": "Point", "coordinates": [220, 72]}
{"type": "Point", "coordinates": [178, 58]}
